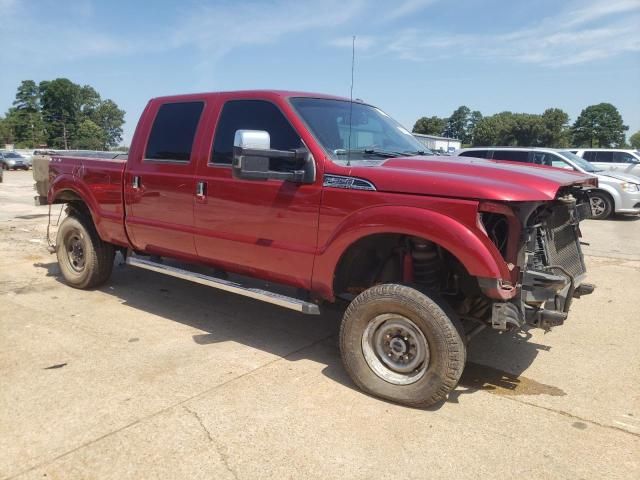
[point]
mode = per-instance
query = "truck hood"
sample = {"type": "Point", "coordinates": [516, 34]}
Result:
{"type": "Point", "coordinates": [465, 177]}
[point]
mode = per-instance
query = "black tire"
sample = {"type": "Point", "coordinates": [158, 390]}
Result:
{"type": "Point", "coordinates": [85, 260]}
{"type": "Point", "coordinates": [601, 205]}
{"type": "Point", "coordinates": [429, 319]}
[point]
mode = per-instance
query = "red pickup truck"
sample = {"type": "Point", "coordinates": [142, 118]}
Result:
{"type": "Point", "coordinates": [337, 202]}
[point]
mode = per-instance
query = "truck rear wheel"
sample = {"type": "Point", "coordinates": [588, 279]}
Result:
{"type": "Point", "coordinates": [399, 344]}
{"type": "Point", "coordinates": [85, 260]}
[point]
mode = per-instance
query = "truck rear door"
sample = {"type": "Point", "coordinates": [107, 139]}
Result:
{"type": "Point", "coordinates": [266, 229]}
{"type": "Point", "coordinates": [160, 180]}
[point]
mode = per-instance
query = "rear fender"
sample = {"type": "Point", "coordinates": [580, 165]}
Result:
{"type": "Point", "coordinates": [109, 226]}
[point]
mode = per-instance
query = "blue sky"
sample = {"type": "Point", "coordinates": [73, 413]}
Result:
{"type": "Point", "coordinates": [413, 57]}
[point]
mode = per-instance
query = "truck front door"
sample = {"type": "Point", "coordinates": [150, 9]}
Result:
{"type": "Point", "coordinates": [160, 182]}
{"type": "Point", "coordinates": [267, 229]}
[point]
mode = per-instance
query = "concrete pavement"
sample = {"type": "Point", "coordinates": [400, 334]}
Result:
{"type": "Point", "coordinates": [151, 377]}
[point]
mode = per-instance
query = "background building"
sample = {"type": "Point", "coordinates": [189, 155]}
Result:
{"type": "Point", "coordinates": [442, 144]}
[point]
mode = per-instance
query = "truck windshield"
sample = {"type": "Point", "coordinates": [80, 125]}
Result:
{"type": "Point", "coordinates": [373, 134]}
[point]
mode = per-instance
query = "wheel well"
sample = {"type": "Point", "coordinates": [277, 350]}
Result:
{"type": "Point", "coordinates": [608, 195]}
{"type": "Point", "coordinates": [74, 202]}
{"type": "Point", "coordinates": [398, 258]}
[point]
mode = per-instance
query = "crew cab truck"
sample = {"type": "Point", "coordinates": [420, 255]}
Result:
{"type": "Point", "coordinates": [339, 202]}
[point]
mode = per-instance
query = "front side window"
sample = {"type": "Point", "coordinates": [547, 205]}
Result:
{"type": "Point", "coordinates": [559, 162]}
{"type": "Point", "coordinates": [543, 158]}
{"type": "Point", "coordinates": [355, 131]}
{"type": "Point", "coordinates": [579, 161]}
{"type": "Point", "coordinates": [254, 115]}
{"type": "Point", "coordinates": [589, 156]}
{"type": "Point", "coordinates": [173, 132]}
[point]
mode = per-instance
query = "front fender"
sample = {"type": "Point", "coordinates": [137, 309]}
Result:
{"type": "Point", "coordinates": [468, 244]}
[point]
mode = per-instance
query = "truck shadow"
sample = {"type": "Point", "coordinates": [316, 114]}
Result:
{"type": "Point", "coordinates": [224, 317]}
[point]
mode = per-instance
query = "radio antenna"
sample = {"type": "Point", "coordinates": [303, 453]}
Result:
{"type": "Point", "coordinates": [353, 58]}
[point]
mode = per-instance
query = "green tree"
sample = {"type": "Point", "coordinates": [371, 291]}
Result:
{"type": "Point", "coordinates": [474, 118]}
{"type": "Point", "coordinates": [6, 132]}
{"type": "Point", "coordinates": [555, 128]}
{"type": "Point", "coordinates": [457, 124]}
{"type": "Point", "coordinates": [61, 108]}
{"type": "Point", "coordinates": [88, 136]}
{"type": "Point", "coordinates": [527, 129]}
{"type": "Point", "coordinates": [430, 125]}
{"type": "Point", "coordinates": [110, 119]}
{"type": "Point", "coordinates": [634, 140]}
{"type": "Point", "coordinates": [599, 125]}
{"type": "Point", "coordinates": [89, 101]}
{"type": "Point", "coordinates": [494, 130]}
{"type": "Point", "coordinates": [25, 116]}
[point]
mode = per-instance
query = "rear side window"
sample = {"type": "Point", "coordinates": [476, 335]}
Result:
{"type": "Point", "coordinates": [474, 153]}
{"type": "Point", "coordinates": [173, 132]}
{"type": "Point", "coordinates": [606, 157]}
{"type": "Point", "coordinates": [511, 155]}
{"type": "Point", "coordinates": [254, 115]}
{"type": "Point", "coordinates": [589, 156]}
{"type": "Point", "coordinates": [623, 157]}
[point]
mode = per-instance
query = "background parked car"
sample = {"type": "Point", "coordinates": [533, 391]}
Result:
{"type": "Point", "coordinates": [13, 161]}
{"type": "Point", "coordinates": [617, 192]}
{"type": "Point", "coordinates": [627, 161]}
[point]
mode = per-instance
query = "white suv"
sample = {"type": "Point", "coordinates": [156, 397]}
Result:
{"type": "Point", "coordinates": [627, 161]}
{"type": "Point", "coordinates": [617, 192]}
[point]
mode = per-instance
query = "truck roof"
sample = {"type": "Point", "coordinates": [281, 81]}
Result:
{"type": "Point", "coordinates": [248, 94]}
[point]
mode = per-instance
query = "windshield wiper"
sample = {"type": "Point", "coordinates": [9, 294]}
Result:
{"type": "Point", "coordinates": [377, 151]}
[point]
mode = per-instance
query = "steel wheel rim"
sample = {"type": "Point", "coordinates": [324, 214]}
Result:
{"type": "Point", "coordinates": [75, 250]}
{"type": "Point", "coordinates": [598, 206]}
{"type": "Point", "coordinates": [395, 349]}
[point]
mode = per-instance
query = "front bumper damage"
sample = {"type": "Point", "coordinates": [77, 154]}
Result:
{"type": "Point", "coordinates": [544, 302]}
{"type": "Point", "coordinates": [553, 271]}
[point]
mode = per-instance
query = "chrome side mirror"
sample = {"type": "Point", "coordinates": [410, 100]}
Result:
{"type": "Point", "coordinates": [252, 157]}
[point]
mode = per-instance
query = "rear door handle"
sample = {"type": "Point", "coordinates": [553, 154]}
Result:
{"type": "Point", "coordinates": [135, 183]}
{"type": "Point", "coordinates": [201, 190]}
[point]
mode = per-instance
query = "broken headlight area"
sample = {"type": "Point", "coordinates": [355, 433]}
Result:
{"type": "Point", "coordinates": [552, 267]}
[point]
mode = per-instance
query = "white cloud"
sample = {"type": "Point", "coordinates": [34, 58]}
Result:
{"type": "Point", "coordinates": [363, 42]}
{"type": "Point", "coordinates": [219, 30]}
{"type": "Point", "coordinates": [408, 7]}
{"type": "Point", "coordinates": [584, 34]}
{"type": "Point", "coordinates": [582, 31]}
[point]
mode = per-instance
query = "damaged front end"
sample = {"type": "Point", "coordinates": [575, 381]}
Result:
{"type": "Point", "coordinates": [549, 264]}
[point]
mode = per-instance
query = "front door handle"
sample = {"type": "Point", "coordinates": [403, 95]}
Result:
{"type": "Point", "coordinates": [135, 183]}
{"type": "Point", "coordinates": [201, 190]}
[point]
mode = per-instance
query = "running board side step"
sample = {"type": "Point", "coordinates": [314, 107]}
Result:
{"type": "Point", "coordinates": [233, 287]}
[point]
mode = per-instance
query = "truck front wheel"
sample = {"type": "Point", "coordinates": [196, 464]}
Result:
{"type": "Point", "coordinates": [399, 344]}
{"type": "Point", "coordinates": [85, 260]}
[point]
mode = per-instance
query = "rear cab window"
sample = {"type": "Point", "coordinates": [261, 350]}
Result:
{"type": "Point", "coordinates": [173, 132]}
